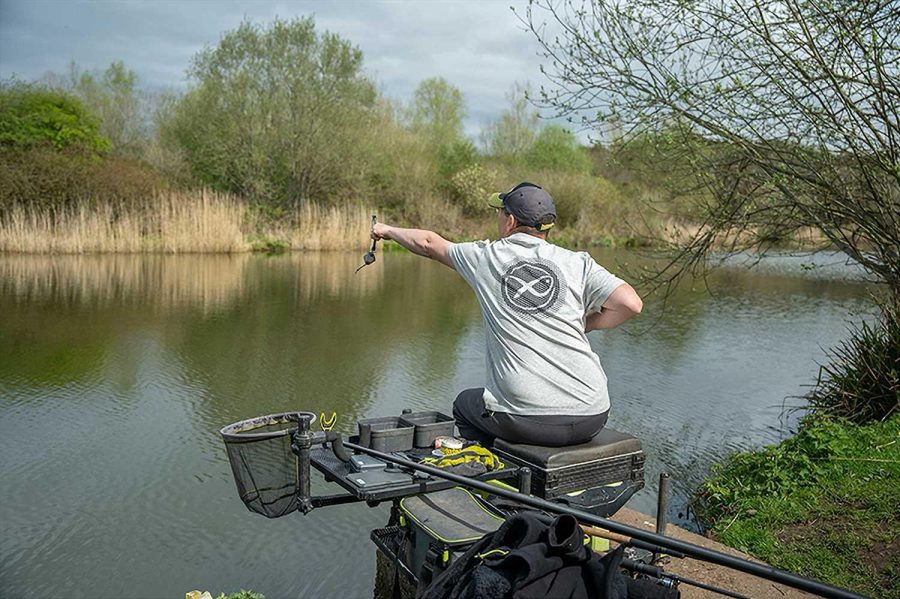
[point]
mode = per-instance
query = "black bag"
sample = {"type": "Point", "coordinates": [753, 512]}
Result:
{"type": "Point", "coordinates": [529, 558]}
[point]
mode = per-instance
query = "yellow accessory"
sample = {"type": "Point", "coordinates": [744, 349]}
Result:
{"type": "Point", "coordinates": [327, 423]}
{"type": "Point", "coordinates": [472, 453]}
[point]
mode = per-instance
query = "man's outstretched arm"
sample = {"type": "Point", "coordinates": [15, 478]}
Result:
{"type": "Point", "coordinates": [622, 304]}
{"type": "Point", "coordinates": [419, 241]}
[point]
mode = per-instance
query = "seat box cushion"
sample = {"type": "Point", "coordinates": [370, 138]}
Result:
{"type": "Point", "coordinates": [607, 444]}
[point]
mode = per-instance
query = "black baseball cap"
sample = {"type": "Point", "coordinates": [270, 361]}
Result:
{"type": "Point", "coordinates": [529, 203]}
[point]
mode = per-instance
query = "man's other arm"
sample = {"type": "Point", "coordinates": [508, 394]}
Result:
{"type": "Point", "coordinates": [622, 304]}
{"type": "Point", "coordinates": [419, 241]}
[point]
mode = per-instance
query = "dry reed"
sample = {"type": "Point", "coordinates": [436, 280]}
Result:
{"type": "Point", "coordinates": [176, 222]}
{"type": "Point", "coordinates": [334, 228]}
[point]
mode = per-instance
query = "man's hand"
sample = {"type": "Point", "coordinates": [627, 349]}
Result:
{"type": "Point", "coordinates": [381, 231]}
{"type": "Point", "coordinates": [419, 241]}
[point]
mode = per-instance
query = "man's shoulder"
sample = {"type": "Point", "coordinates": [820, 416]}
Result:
{"type": "Point", "coordinates": [479, 243]}
{"type": "Point", "coordinates": [476, 246]}
{"type": "Point", "coordinates": [577, 259]}
{"type": "Point", "coordinates": [466, 256]}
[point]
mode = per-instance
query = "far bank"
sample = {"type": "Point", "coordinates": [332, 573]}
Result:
{"type": "Point", "coordinates": [203, 221]}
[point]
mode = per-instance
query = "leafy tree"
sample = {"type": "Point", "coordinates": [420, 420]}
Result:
{"type": "Point", "coordinates": [787, 113]}
{"type": "Point", "coordinates": [276, 113]}
{"type": "Point", "coordinates": [452, 158]}
{"type": "Point", "coordinates": [33, 116]}
{"type": "Point", "coordinates": [114, 97]}
{"type": "Point", "coordinates": [511, 136]}
{"type": "Point", "coordinates": [437, 112]}
{"type": "Point", "coordinates": [557, 149]}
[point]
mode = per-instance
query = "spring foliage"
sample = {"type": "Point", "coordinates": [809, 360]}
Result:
{"type": "Point", "coordinates": [277, 112]}
{"type": "Point", "coordinates": [31, 116]}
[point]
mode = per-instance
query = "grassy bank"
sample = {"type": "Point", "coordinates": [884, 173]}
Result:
{"type": "Point", "coordinates": [180, 222]}
{"type": "Point", "coordinates": [824, 503]}
{"type": "Point", "coordinates": [209, 222]}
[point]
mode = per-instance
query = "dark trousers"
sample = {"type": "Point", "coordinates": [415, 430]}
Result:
{"type": "Point", "coordinates": [477, 424]}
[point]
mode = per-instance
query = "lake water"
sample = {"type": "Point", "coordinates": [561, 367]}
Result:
{"type": "Point", "coordinates": [117, 372]}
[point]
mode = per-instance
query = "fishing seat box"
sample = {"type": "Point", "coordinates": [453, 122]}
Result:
{"type": "Point", "coordinates": [610, 457]}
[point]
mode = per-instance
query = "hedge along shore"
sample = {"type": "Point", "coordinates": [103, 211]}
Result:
{"type": "Point", "coordinates": [181, 222]}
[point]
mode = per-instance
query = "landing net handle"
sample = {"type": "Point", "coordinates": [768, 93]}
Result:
{"type": "Point", "coordinates": [301, 443]}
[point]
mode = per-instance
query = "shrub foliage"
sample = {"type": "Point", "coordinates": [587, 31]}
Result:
{"type": "Point", "coordinates": [862, 382]}
{"type": "Point", "coordinates": [32, 116]}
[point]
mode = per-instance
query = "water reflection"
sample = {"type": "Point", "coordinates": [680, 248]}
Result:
{"type": "Point", "coordinates": [205, 282]}
{"type": "Point", "coordinates": [116, 373]}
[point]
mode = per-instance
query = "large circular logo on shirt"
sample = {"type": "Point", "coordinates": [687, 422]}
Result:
{"type": "Point", "coordinates": [531, 287]}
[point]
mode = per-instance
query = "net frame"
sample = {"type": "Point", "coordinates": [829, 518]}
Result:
{"type": "Point", "coordinates": [265, 468]}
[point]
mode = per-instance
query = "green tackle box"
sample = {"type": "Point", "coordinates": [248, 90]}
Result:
{"type": "Point", "coordinates": [441, 526]}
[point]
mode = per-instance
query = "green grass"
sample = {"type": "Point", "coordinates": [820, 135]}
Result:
{"type": "Point", "coordinates": [824, 503]}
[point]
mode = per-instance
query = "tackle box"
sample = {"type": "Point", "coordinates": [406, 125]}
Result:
{"type": "Point", "coordinates": [429, 426]}
{"type": "Point", "coordinates": [441, 526]}
{"type": "Point", "coordinates": [610, 457]}
{"type": "Point", "coordinates": [386, 434]}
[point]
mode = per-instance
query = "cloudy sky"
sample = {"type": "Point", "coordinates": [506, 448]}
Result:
{"type": "Point", "coordinates": [479, 46]}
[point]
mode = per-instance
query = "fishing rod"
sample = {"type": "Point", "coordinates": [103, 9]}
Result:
{"type": "Point", "coordinates": [659, 573]}
{"type": "Point", "coordinates": [688, 549]}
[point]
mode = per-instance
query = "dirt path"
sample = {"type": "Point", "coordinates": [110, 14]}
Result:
{"type": "Point", "coordinates": [719, 576]}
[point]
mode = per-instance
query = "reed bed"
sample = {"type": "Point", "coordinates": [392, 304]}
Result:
{"type": "Point", "coordinates": [178, 222]}
{"type": "Point", "coordinates": [77, 230]}
{"type": "Point", "coordinates": [197, 223]}
{"type": "Point", "coordinates": [334, 228]}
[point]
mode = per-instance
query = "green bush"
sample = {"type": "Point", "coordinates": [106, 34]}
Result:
{"type": "Point", "coordinates": [32, 116]}
{"type": "Point", "coordinates": [52, 154]}
{"type": "Point", "coordinates": [469, 189]}
{"type": "Point", "coordinates": [453, 158]}
{"type": "Point", "coordinates": [47, 178]}
{"type": "Point", "coordinates": [557, 149]}
{"type": "Point", "coordinates": [862, 381]}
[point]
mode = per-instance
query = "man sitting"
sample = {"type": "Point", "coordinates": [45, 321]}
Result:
{"type": "Point", "coordinates": [545, 385]}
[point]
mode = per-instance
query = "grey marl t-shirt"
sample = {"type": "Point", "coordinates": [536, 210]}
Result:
{"type": "Point", "coordinates": [534, 298]}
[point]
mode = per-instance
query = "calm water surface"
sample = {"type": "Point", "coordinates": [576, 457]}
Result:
{"type": "Point", "coordinates": [117, 372]}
